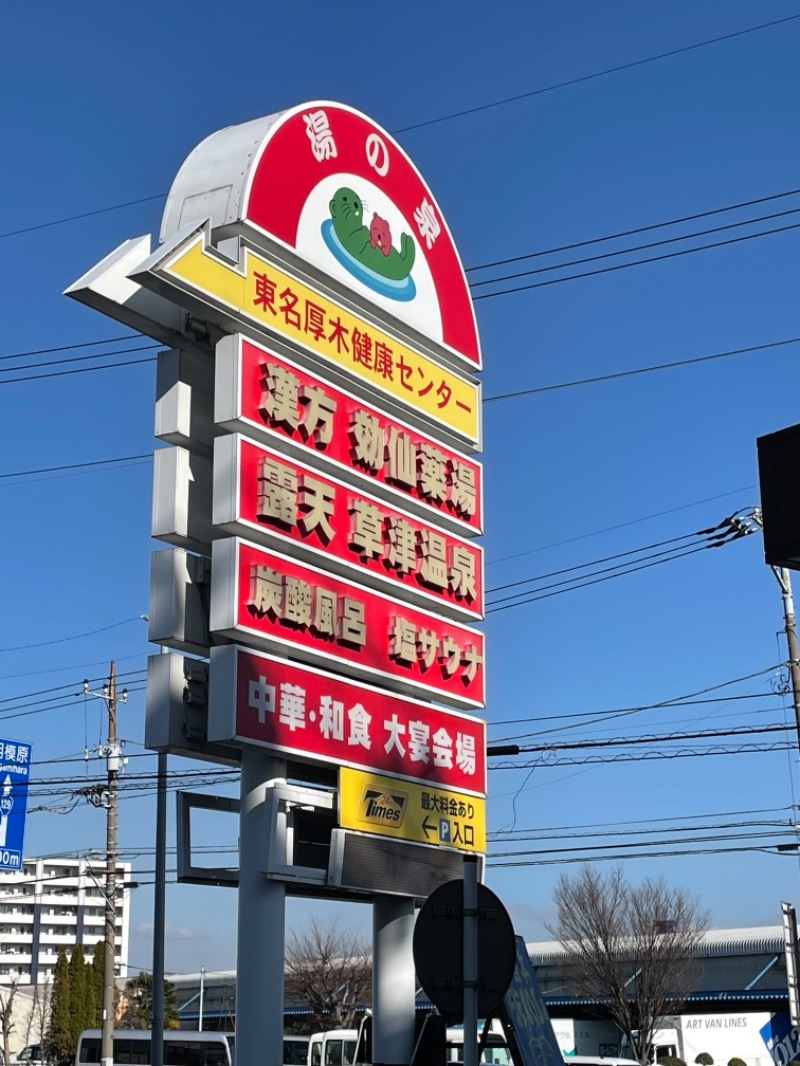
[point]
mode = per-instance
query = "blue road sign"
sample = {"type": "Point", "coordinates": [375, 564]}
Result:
{"type": "Point", "coordinates": [531, 1028]}
{"type": "Point", "coordinates": [15, 768]}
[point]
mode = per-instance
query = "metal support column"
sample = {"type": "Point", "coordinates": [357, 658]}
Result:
{"type": "Point", "coordinates": [470, 1056]}
{"type": "Point", "coordinates": [393, 988]}
{"type": "Point", "coordinates": [159, 915]}
{"type": "Point", "coordinates": [261, 921]}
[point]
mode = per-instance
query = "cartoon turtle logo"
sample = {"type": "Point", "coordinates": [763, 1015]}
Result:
{"type": "Point", "coordinates": [367, 251]}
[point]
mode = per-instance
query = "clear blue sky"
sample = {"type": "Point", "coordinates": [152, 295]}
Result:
{"type": "Point", "coordinates": [100, 107]}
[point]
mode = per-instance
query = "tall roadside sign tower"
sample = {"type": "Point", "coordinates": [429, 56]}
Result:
{"type": "Point", "coordinates": [321, 495]}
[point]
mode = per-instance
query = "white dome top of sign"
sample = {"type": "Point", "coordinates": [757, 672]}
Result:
{"type": "Point", "coordinates": [323, 185]}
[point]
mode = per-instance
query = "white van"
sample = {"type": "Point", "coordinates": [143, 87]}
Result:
{"type": "Point", "coordinates": [337, 1047]}
{"type": "Point", "coordinates": [295, 1050]}
{"type": "Point", "coordinates": [31, 1055]}
{"type": "Point", "coordinates": [598, 1060]}
{"type": "Point", "coordinates": [496, 1050]}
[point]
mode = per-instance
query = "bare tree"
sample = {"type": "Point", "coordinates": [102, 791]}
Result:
{"type": "Point", "coordinates": [7, 996]}
{"type": "Point", "coordinates": [40, 1011]}
{"type": "Point", "coordinates": [631, 948]}
{"type": "Point", "coordinates": [330, 970]}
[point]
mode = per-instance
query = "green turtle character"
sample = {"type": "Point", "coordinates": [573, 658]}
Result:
{"type": "Point", "coordinates": [347, 214]}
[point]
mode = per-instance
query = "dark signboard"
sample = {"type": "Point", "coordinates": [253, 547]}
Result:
{"type": "Point", "coordinates": [439, 950]}
{"type": "Point", "coordinates": [779, 478]}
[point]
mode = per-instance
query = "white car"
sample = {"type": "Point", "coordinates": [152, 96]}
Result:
{"type": "Point", "coordinates": [31, 1055]}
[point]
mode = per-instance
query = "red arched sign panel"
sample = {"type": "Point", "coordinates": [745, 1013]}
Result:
{"type": "Point", "coordinates": [341, 192]}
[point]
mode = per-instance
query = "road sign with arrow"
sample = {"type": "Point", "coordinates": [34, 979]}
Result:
{"type": "Point", "coordinates": [15, 764]}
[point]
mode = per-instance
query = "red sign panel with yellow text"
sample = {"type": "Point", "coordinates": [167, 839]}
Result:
{"type": "Point", "coordinates": [275, 602]}
{"type": "Point", "coordinates": [270, 397]}
{"type": "Point", "coordinates": [262, 494]}
{"type": "Point", "coordinates": [316, 715]}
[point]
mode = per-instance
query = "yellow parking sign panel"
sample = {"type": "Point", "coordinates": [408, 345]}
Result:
{"type": "Point", "coordinates": [407, 810]}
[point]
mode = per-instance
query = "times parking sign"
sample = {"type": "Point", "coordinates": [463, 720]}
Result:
{"type": "Point", "coordinates": [15, 765]}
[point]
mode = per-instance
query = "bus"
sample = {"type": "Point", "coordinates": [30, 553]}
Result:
{"type": "Point", "coordinates": [598, 1060]}
{"type": "Point", "coordinates": [181, 1048]}
{"type": "Point", "coordinates": [337, 1047]}
{"type": "Point", "coordinates": [495, 1049]}
{"type": "Point", "coordinates": [350, 1047]}
{"type": "Point", "coordinates": [295, 1050]}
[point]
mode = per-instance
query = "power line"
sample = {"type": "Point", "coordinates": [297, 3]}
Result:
{"type": "Point", "coordinates": [635, 262]}
{"type": "Point", "coordinates": [579, 719]}
{"type": "Point", "coordinates": [56, 688]}
{"type": "Point", "coordinates": [56, 786]}
{"type": "Point", "coordinates": [610, 714]}
{"type": "Point", "coordinates": [577, 582]}
{"type": "Point", "coordinates": [621, 525]}
{"type": "Point", "coordinates": [81, 370]}
{"type": "Point", "coordinates": [21, 712]}
{"type": "Point", "coordinates": [482, 266]}
{"type": "Point", "coordinates": [488, 399]}
{"type": "Point", "coordinates": [147, 780]}
{"type": "Point", "coordinates": [64, 669]}
{"type": "Point", "coordinates": [596, 74]}
{"type": "Point", "coordinates": [60, 701]}
{"type": "Point", "coordinates": [82, 215]}
{"type": "Point", "coordinates": [635, 248]}
{"type": "Point", "coordinates": [587, 761]}
{"type": "Point", "coordinates": [71, 347]}
{"type": "Point", "coordinates": [590, 726]}
{"type": "Point", "coordinates": [460, 114]}
{"type": "Point", "coordinates": [601, 827]}
{"type": "Point", "coordinates": [633, 232]}
{"type": "Point", "coordinates": [674, 701]}
{"type": "Point", "coordinates": [661, 738]}
{"type": "Point", "coordinates": [763, 849]}
{"type": "Point", "coordinates": [592, 849]}
{"type": "Point", "coordinates": [731, 530]}
{"type": "Point", "coordinates": [641, 370]}
{"type": "Point", "coordinates": [78, 359]}
{"type": "Point", "coordinates": [77, 466]}
{"type": "Point", "coordinates": [76, 636]}
{"type": "Point", "coordinates": [558, 590]}
{"type": "Point", "coordinates": [714, 537]}
{"type": "Point", "coordinates": [594, 562]}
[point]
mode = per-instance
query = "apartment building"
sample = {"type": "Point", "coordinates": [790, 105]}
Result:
{"type": "Point", "coordinates": [52, 903]}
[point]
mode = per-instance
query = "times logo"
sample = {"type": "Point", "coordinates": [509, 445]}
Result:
{"type": "Point", "coordinates": [383, 808]}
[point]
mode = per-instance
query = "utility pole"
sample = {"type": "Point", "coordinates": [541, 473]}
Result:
{"type": "Point", "coordinates": [112, 753]}
{"type": "Point", "coordinates": [784, 579]}
{"type": "Point", "coordinates": [790, 622]}
{"type": "Point", "coordinates": [159, 916]}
